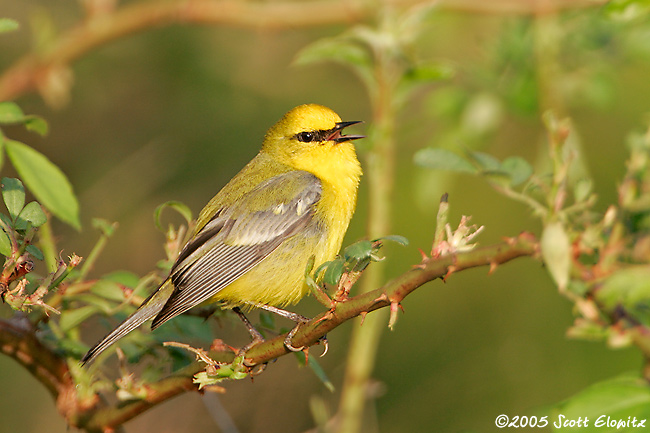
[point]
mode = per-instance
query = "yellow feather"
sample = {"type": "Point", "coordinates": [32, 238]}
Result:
{"type": "Point", "coordinates": [262, 233]}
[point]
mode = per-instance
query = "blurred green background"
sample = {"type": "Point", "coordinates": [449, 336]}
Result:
{"type": "Point", "coordinates": [173, 113]}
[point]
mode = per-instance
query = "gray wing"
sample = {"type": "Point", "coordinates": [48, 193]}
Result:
{"type": "Point", "coordinates": [238, 238]}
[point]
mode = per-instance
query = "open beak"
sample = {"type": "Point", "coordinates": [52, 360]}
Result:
{"type": "Point", "coordinates": [336, 132]}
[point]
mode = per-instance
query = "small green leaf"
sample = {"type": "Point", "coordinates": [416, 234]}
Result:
{"type": "Point", "coordinates": [10, 113]}
{"type": "Point", "coordinates": [8, 25]}
{"type": "Point", "coordinates": [630, 288]}
{"type": "Point", "coordinates": [333, 272]}
{"type": "Point", "coordinates": [108, 290]}
{"type": "Point", "coordinates": [72, 318]}
{"type": "Point", "coordinates": [358, 250]}
{"type": "Point", "coordinates": [5, 244]}
{"type": "Point", "coordinates": [395, 238]}
{"type": "Point", "coordinates": [35, 252]}
{"type": "Point", "coordinates": [125, 278]}
{"type": "Point", "coordinates": [315, 367]}
{"type": "Point", "coordinates": [37, 124]}
{"type": "Point", "coordinates": [485, 161]}
{"type": "Point", "coordinates": [443, 159]}
{"type": "Point", "coordinates": [339, 49]}
{"type": "Point", "coordinates": [622, 398]}
{"type": "Point", "coordinates": [344, 50]}
{"type": "Point", "coordinates": [46, 181]}
{"type": "Point", "coordinates": [13, 194]}
{"type": "Point", "coordinates": [556, 253]}
{"type": "Point", "coordinates": [518, 169]}
{"type": "Point", "coordinates": [32, 213]}
{"type": "Point", "coordinates": [5, 219]}
{"type": "Point", "coordinates": [179, 207]}
{"type": "Point", "coordinates": [320, 373]}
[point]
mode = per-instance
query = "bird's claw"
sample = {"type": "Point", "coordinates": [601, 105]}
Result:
{"type": "Point", "coordinates": [289, 337]}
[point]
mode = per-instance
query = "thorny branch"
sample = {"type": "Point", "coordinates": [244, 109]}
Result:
{"type": "Point", "coordinates": [18, 338]}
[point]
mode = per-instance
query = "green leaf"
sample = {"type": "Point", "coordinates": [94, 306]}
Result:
{"type": "Point", "coordinates": [108, 290]}
{"type": "Point", "coordinates": [621, 398]}
{"type": "Point", "coordinates": [32, 213]}
{"type": "Point", "coordinates": [344, 50]}
{"type": "Point", "coordinates": [37, 124]}
{"type": "Point", "coordinates": [333, 272]}
{"type": "Point", "coordinates": [13, 194]}
{"type": "Point", "coordinates": [179, 207]}
{"type": "Point", "coordinates": [395, 238]}
{"type": "Point", "coordinates": [125, 278]}
{"type": "Point", "coordinates": [8, 25]}
{"type": "Point", "coordinates": [518, 169]}
{"type": "Point", "coordinates": [46, 181]}
{"type": "Point", "coordinates": [35, 252]}
{"type": "Point", "coordinates": [485, 161]}
{"type": "Point", "coordinates": [443, 159]}
{"type": "Point", "coordinates": [339, 49]}
{"type": "Point", "coordinates": [556, 253]}
{"type": "Point", "coordinates": [358, 250]}
{"type": "Point", "coordinates": [315, 367]}
{"type": "Point", "coordinates": [72, 318]}
{"type": "Point", "coordinates": [10, 113]}
{"type": "Point", "coordinates": [5, 244]}
{"type": "Point", "coordinates": [630, 288]}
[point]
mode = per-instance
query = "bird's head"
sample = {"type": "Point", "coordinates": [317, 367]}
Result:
{"type": "Point", "coordinates": [310, 136]}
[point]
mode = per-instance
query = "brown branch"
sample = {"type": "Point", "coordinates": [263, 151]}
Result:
{"type": "Point", "coordinates": [309, 334]}
{"type": "Point", "coordinates": [108, 418]}
{"type": "Point", "coordinates": [18, 339]}
{"type": "Point", "coordinates": [394, 292]}
{"type": "Point", "coordinates": [35, 70]}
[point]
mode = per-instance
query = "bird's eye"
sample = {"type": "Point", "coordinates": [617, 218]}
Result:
{"type": "Point", "coordinates": [306, 137]}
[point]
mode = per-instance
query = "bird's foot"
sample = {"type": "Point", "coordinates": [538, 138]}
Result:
{"type": "Point", "coordinates": [292, 333]}
{"type": "Point", "coordinates": [256, 336]}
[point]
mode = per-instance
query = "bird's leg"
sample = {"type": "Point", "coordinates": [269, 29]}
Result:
{"type": "Point", "coordinates": [300, 320]}
{"type": "Point", "coordinates": [255, 334]}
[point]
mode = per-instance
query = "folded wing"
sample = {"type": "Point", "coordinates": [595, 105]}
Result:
{"type": "Point", "coordinates": [238, 238]}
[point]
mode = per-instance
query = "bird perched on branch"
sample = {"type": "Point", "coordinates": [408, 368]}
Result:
{"type": "Point", "coordinates": [252, 241]}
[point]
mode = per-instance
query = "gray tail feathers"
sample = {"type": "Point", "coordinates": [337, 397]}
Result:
{"type": "Point", "coordinates": [148, 310]}
{"type": "Point", "coordinates": [132, 322]}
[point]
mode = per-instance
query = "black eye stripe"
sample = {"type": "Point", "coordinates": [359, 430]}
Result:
{"type": "Point", "coordinates": [310, 136]}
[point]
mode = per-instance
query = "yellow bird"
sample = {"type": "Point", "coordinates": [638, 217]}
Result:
{"type": "Point", "coordinates": [252, 241]}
